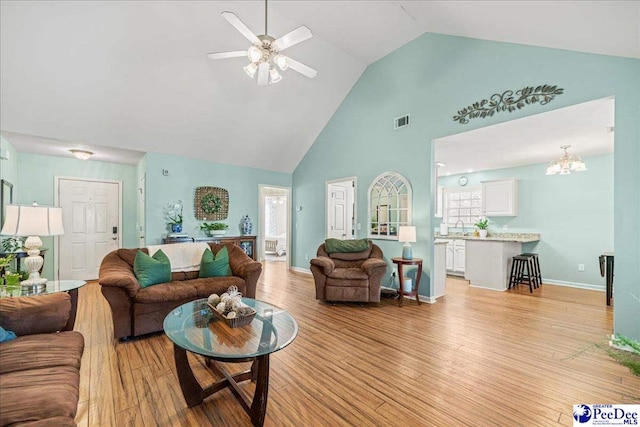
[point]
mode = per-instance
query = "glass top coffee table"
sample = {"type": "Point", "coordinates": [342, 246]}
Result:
{"type": "Point", "coordinates": [194, 328]}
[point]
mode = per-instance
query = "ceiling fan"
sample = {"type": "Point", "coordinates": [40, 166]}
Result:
{"type": "Point", "coordinates": [264, 52]}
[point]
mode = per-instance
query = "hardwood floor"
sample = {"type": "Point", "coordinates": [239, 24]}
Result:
{"type": "Point", "coordinates": [476, 357]}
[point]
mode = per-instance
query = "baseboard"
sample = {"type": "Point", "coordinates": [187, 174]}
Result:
{"type": "Point", "coordinates": [300, 270]}
{"type": "Point", "coordinates": [589, 286]}
{"type": "Point", "coordinates": [487, 288]}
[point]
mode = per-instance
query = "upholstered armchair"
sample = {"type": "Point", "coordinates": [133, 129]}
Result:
{"type": "Point", "coordinates": [348, 276]}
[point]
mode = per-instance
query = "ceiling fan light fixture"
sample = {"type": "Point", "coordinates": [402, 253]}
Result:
{"type": "Point", "coordinates": [275, 75]}
{"type": "Point", "coordinates": [251, 69]}
{"type": "Point", "coordinates": [254, 53]}
{"type": "Point", "coordinates": [281, 61]}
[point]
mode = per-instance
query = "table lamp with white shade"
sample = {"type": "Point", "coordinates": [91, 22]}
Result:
{"type": "Point", "coordinates": [407, 234]}
{"type": "Point", "coordinates": [33, 221]}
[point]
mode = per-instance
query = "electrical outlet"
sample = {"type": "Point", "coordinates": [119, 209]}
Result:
{"type": "Point", "coordinates": [306, 257]}
{"type": "Point", "coordinates": [580, 267]}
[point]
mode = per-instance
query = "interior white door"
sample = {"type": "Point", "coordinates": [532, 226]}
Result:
{"type": "Point", "coordinates": [142, 191]}
{"type": "Point", "coordinates": [90, 215]}
{"type": "Point", "coordinates": [337, 212]}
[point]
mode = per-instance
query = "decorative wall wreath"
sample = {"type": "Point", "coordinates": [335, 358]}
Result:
{"type": "Point", "coordinates": [211, 203]}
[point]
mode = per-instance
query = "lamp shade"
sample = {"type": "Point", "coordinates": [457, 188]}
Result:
{"type": "Point", "coordinates": [32, 221]}
{"type": "Point", "coordinates": [407, 234]}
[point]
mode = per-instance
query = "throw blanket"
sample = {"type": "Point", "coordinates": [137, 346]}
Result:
{"type": "Point", "coordinates": [182, 256]}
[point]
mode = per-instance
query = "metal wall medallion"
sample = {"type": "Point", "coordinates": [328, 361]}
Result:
{"type": "Point", "coordinates": [211, 203]}
{"type": "Point", "coordinates": [506, 102]}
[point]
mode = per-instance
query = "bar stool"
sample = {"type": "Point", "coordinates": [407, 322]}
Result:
{"type": "Point", "coordinates": [536, 265]}
{"type": "Point", "coordinates": [518, 272]}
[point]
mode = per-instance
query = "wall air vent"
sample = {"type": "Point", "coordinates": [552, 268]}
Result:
{"type": "Point", "coordinates": [401, 122]}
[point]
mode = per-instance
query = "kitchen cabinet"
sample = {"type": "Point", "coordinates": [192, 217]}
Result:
{"type": "Point", "coordinates": [455, 257]}
{"type": "Point", "coordinates": [500, 198]}
{"type": "Point", "coordinates": [489, 263]}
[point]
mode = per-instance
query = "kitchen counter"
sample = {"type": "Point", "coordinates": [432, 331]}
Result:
{"type": "Point", "coordinates": [493, 237]}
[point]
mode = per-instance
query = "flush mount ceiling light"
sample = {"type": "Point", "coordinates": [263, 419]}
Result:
{"type": "Point", "coordinates": [82, 154]}
{"type": "Point", "coordinates": [566, 164]}
{"type": "Point", "coordinates": [264, 54]}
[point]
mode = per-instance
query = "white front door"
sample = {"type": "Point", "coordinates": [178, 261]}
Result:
{"type": "Point", "coordinates": [142, 212]}
{"type": "Point", "coordinates": [90, 215]}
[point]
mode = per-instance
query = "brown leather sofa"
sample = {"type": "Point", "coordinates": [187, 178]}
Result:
{"type": "Point", "coordinates": [40, 369]}
{"type": "Point", "coordinates": [353, 276]}
{"type": "Point", "coordinates": [137, 311]}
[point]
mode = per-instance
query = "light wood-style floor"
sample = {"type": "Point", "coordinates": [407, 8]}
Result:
{"type": "Point", "coordinates": [476, 357]}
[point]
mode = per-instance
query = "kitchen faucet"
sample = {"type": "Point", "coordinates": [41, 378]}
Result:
{"type": "Point", "coordinates": [461, 222]}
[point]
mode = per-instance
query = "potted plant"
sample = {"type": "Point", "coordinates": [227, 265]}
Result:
{"type": "Point", "coordinates": [214, 228]}
{"type": "Point", "coordinates": [173, 214]}
{"type": "Point", "coordinates": [482, 225]}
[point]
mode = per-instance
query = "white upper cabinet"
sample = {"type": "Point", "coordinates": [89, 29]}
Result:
{"type": "Point", "coordinates": [500, 198]}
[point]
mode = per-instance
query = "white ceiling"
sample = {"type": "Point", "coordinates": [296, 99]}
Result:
{"type": "Point", "coordinates": [135, 76]}
{"type": "Point", "coordinates": [586, 127]}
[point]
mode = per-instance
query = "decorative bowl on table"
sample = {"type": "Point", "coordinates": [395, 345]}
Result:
{"type": "Point", "coordinates": [230, 308]}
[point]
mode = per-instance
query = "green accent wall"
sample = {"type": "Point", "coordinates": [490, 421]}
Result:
{"type": "Point", "coordinates": [185, 175]}
{"type": "Point", "coordinates": [573, 212]}
{"type": "Point", "coordinates": [432, 78]}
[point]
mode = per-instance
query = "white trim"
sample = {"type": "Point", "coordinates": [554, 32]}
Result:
{"type": "Point", "coordinates": [56, 202]}
{"type": "Point", "coordinates": [487, 288]}
{"type": "Point", "coordinates": [589, 286]}
{"type": "Point", "coordinates": [260, 233]}
{"type": "Point", "coordinates": [301, 270]}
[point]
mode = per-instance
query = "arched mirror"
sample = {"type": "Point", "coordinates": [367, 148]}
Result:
{"type": "Point", "coordinates": [389, 205]}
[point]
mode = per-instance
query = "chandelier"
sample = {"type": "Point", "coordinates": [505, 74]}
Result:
{"type": "Point", "coordinates": [566, 164]}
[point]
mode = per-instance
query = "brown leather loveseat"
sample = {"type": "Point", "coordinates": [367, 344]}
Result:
{"type": "Point", "coordinates": [136, 310]}
{"type": "Point", "coordinates": [349, 276]}
{"type": "Point", "coordinates": [40, 369]}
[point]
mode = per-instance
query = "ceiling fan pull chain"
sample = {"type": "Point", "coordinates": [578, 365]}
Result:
{"type": "Point", "coordinates": [265, 18]}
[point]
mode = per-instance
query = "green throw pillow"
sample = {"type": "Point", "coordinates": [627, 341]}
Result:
{"type": "Point", "coordinates": [336, 245]}
{"type": "Point", "coordinates": [217, 266]}
{"type": "Point", "coordinates": [151, 270]}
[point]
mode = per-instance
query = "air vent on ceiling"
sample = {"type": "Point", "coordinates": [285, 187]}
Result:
{"type": "Point", "coordinates": [400, 122]}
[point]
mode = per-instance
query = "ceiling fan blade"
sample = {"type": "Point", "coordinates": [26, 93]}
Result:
{"type": "Point", "coordinates": [296, 36]}
{"type": "Point", "coordinates": [236, 22]}
{"type": "Point", "coordinates": [301, 68]}
{"type": "Point", "coordinates": [223, 55]}
{"type": "Point", "coordinates": [263, 74]}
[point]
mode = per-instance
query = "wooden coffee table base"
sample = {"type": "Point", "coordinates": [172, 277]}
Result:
{"type": "Point", "coordinates": [194, 394]}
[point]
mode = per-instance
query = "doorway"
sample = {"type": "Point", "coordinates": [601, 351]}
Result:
{"type": "Point", "coordinates": [556, 206]}
{"type": "Point", "coordinates": [341, 208]}
{"type": "Point", "coordinates": [275, 224]}
{"type": "Point", "coordinates": [91, 216]}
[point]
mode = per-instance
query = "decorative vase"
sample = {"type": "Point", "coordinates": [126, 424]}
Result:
{"type": "Point", "coordinates": [483, 233]}
{"type": "Point", "coordinates": [176, 228]}
{"type": "Point", "coordinates": [247, 226]}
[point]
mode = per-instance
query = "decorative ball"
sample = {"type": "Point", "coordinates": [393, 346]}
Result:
{"type": "Point", "coordinates": [220, 307]}
{"type": "Point", "coordinates": [213, 299]}
{"type": "Point", "coordinates": [231, 315]}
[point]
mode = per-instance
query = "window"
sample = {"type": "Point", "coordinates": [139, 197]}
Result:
{"type": "Point", "coordinates": [462, 205]}
{"type": "Point", "coordinates": [389, 205]}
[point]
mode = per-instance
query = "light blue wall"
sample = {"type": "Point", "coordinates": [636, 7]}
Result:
{"type": "Point", "coordinates": [9, 167]}
{"type": "Point", "coordinates": [573, 212]}
{"type": "Point", "coordinates": [185, 175]}
{"type": "Point", "coordinates": [432, 78]}
{"type": "Point", "coordinates": [36, 174]}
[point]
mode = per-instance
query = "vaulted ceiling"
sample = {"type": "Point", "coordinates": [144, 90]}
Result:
{"type": "Point", "coordinates": [123, 78]}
